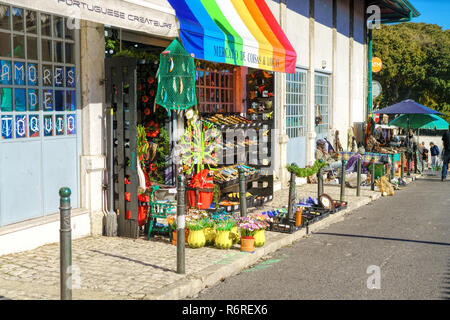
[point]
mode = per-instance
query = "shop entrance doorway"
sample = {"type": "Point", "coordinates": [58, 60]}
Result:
{"type": "Point", "coordinates": [121, 102]}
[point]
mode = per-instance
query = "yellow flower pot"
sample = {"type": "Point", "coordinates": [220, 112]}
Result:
{"type": "Point", "coordinates": [235, 234]}
{"type": "Point", "coordinates": [260, 238]}
{"type": "Point", "coordinates": [224, 240]}
{"type": "Point", "coordinates": [210, 235]}
{"type": "Point", "coordinates": [196, 238]}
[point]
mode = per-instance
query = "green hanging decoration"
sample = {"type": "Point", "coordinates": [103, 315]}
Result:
{"type": "Point", "coordinates": [176, 78]}
{"type": "Point", "coordinates": [306, 172]}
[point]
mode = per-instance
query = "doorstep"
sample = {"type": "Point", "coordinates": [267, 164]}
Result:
{"type": "Point", "coordinates": [33, 233]}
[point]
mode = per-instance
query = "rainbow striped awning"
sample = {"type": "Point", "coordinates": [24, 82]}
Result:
{"type": "Point", "coordinates": [238, 32]}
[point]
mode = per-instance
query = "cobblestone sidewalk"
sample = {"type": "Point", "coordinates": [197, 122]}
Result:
{"type": "Point", "coordinates": [119, 268]}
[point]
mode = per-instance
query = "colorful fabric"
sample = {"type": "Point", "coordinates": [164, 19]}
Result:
{"type": "Point", "coordinates": [238, 32]}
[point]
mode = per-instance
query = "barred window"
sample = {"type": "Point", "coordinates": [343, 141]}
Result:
{"type": "Point", "coordinates": [296, 103]}
{"type": "Point", "coordinates": [215, 90]}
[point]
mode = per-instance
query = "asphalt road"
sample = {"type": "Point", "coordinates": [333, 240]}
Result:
{"type": "Point", "coordinates": [405, 237]}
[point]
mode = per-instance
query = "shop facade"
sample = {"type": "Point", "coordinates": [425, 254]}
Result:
{"type": "Point", "coordinates": [324, 91]}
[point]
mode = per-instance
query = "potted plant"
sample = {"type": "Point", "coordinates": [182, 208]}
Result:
{"type": "Point", "coordinates": [235, 231]}
{"type": "Point", "coordinates": [262, 223]}
{"type": "Point", "coordinates": [209, 231]}
{"type": "Point", "coordinates": [172, 220]}
{"type": "Point", "coordinates": [247, 227]}
{"type": "Point", "coordinates": [224, 238]}
{"type": "Point", "coordinates": [196, 237]}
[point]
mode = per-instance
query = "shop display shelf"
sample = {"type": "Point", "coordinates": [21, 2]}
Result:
{"type": "Point", "coordinates": [285, 225]}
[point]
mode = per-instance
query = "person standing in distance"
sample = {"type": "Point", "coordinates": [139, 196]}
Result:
{"type": "Point", "coordinates": [445, 154]}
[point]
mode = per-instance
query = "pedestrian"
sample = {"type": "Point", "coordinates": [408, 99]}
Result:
{"type": "Point", "coordinates": [423, 156]}
{"type": "Point", "coordinates": [434, 151]}
{"type": "Point", "coordinates": [411, 149]}
{"type": "Point", "coordinates": [445, 154]}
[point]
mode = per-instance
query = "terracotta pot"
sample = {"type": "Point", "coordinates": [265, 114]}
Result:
{"type": "Point", "coordinates": [224, 240]}
{"type": "Point", "coordinates": [247, 244]}
{"type": "Point", "coordinates": [196, 238]}
{"type": "Point", "coordinates": [260, 238]}
{"type": "Point", "coordinates": [174, 236]}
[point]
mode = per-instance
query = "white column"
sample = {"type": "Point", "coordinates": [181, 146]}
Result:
{"type": "Point", "coordinates": [281, 138]}
{"type": "Point", "coordinates": [311, 132]}
{"type": "Point", "coordinates": [93, 161]}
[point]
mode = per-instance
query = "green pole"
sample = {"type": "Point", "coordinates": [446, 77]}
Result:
{"type": "Point", "coordinates": [342, 198]}
{"type": "Point", "coordinates": [319, 183]}
{"type": "Point", "coordinates": [181, 232]}
{"type": "Point", "coordinates": [65, 245]}
{"type": "Point", "coordinates": [291, 196]}
{"type": "Point", "coordinates": [358, 180]}
{"type": "Point", "coordinates": [369, 93]}
{"type": "Point", "coordinates": [372, 185]}
{"type": "Point", "coordinates": [242, 192]}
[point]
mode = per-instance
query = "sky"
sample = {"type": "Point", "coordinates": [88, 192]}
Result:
{"type": "Point", "coordinates": [433, 11]}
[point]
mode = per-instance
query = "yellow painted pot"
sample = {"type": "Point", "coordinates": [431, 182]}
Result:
{"type": "Point", "coordinates": [210, 235]}
{"type": "Point", "coordinates": [224, 240]}
{"type": "Point", "coordinates": [196, 238]}
{"type": "Point", "coordinates": [260, 238]}
{"type": "Point", "coordinates": [235, 234]}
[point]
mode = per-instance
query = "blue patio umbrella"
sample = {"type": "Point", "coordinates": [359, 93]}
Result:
{"type": "Point", "coordinates": [407, 107]}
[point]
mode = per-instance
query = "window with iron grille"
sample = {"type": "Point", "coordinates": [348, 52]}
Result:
{"type": "Point", "coordinates": [215, 90]}
{"type": "Point", "coordinates": [37, 75]}
{"type": "Point", "coordinates": [296, 104]}
{"type": "Point", "coordinates": [322, 101]}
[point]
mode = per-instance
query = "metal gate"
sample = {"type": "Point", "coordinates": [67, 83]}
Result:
{"type": "Point", "coordinates": [296, 102]}
{"type": "Point", "coordinates": [122, 106]}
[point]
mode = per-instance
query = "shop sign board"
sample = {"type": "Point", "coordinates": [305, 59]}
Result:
{"type": "Point", "coordinates": [376, 89]}
{"type": "Point", "coordinates": [149, 16]}
{"type": "Point", "coordinates": [377, 64]}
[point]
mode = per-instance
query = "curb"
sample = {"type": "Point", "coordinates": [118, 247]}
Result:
{"type": "Point", "coordinates": [235, 263]}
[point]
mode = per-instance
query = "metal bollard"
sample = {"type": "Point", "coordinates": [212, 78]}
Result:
{"type": "Point", "coordinates": [342, 198]}
{"type": "Point", "coordinates": [65, 244]}
{"type": "Point", "coordinates": [358, 178]}
{"type": "Point", "coordinates": [319, 183]}
{"type": "Point", "coordinates": [242, 193]}
{"type": "Point", "coordinates": [372, 184]}
{"type": "Point", "coordinates": [181, 232]}
{"type": "Point", "coordinates": [291, 196]}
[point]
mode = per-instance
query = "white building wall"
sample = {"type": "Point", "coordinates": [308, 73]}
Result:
{"type": "Point", "coordinates": [348, 100]}
{"type": "Point", "coordinates": [341, 74]}
{"type": "Point", "coordinates": [359, 68]}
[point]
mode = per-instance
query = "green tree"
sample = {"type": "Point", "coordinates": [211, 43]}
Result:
{"type": "Point", "coordinates": [416, 64]}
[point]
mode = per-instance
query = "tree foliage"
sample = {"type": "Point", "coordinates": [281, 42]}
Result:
{"type": "Point", "coordinates": [416, 64]}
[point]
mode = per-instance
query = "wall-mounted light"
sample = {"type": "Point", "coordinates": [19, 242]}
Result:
{"type": "Point", "coordinates": [324, 64]}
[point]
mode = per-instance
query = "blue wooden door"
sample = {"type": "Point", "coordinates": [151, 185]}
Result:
{"type": "Point", "coordinates": [296, 116]}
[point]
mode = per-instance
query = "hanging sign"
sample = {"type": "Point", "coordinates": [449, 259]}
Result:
{"type": "Point", "coordinates": [376, 89]}
{"type": "Point", "coordinates": [377, 64]}
{"type": "Point", "coordinates": [149, 16]}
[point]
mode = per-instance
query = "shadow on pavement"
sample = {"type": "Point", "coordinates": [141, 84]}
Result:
{"type": "Point", "coordinates": [135, 261]}
{"type": "Point", "coordinates": [382, 238]}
